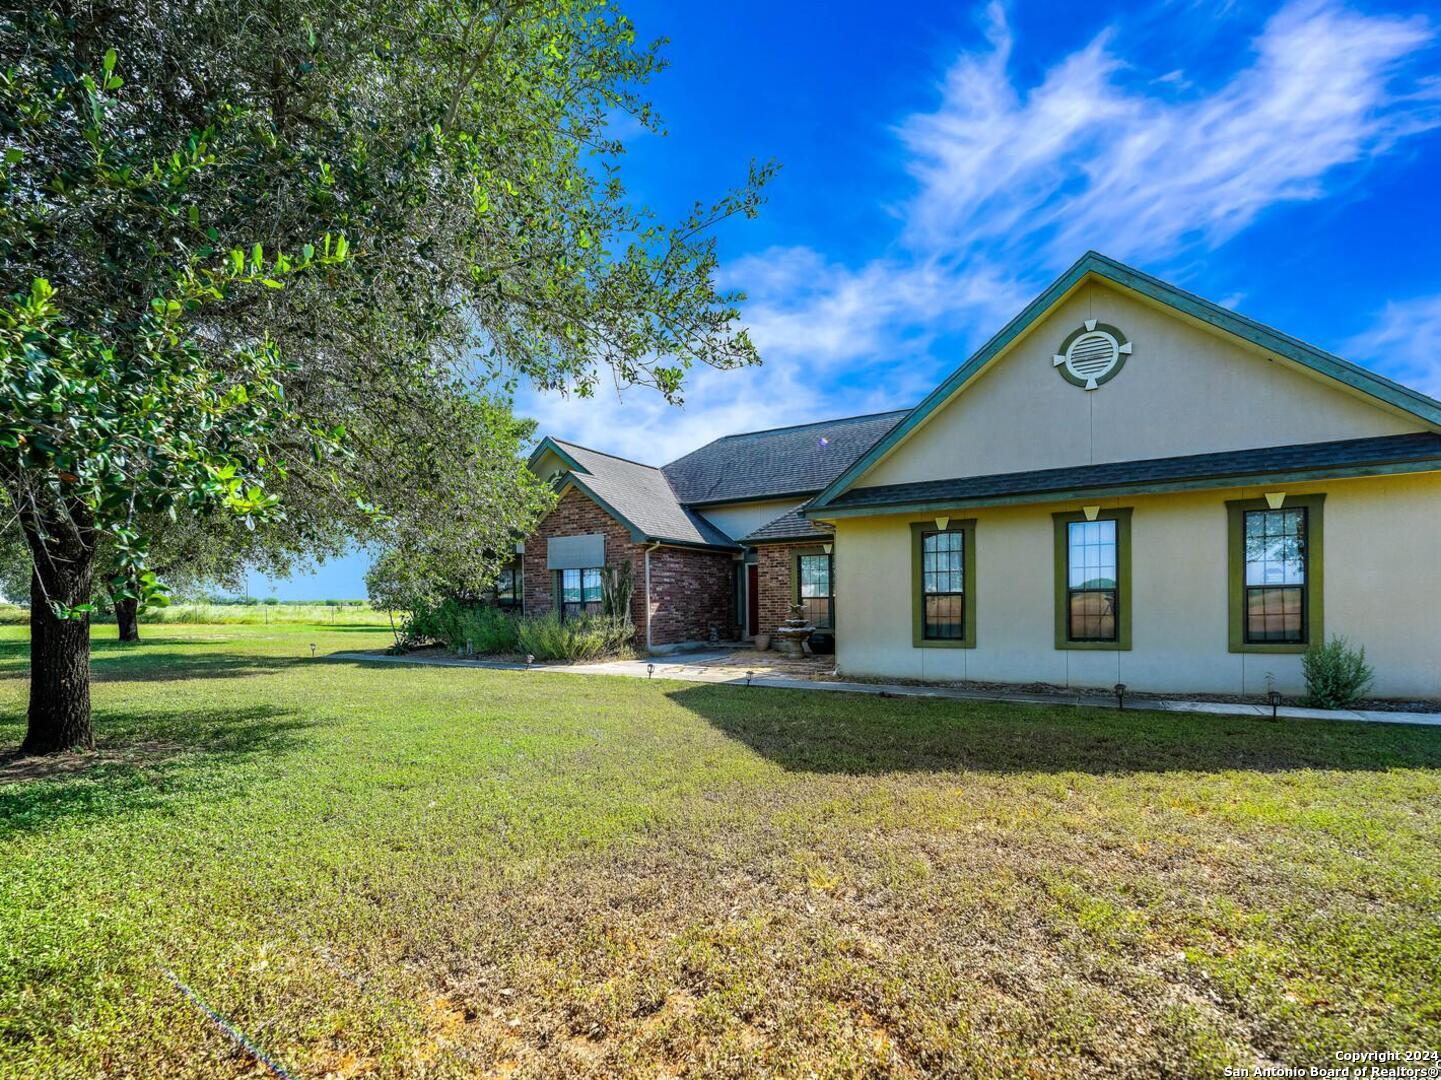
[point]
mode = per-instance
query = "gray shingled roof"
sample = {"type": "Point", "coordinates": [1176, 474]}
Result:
{"type": "Point", "coordinates": [789, 526]}
{"type": "Point", "coordinates": [1345, 456]}
{"type": "Point", "coordinates": [781, 461]}
{"type": "Point", "coordinates": [642, 498]}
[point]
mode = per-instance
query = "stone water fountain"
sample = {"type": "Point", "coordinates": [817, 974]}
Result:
{"type": "Point", "coordinates": [791, 637]}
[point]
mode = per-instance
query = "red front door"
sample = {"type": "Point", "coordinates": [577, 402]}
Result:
{"type": "Point", "coordinates": [753, 598]}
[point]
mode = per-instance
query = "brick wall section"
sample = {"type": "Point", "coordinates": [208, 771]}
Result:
{"type": "Point", "coordinates": [576, 515]}
{"type": "Point", "coordinates": [692, 589]}
{"type": "Point", "coordinates": [691, 592]}
{"type": "Point", "coordinates": [773, 582]}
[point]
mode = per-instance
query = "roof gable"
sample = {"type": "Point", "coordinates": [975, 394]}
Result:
{"type": "Point", "coordinates": [636, 495]}
{"type": "Point", "coordinates": [562, 452]}
{"type": "Point", "coordinates": [1417, 408]}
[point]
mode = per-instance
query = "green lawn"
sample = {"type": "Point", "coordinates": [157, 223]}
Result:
{"type": "Point", "coordinates": [398, 871]}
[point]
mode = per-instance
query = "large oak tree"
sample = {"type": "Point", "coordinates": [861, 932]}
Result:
{"type": "Point", "coordinates": [263, 256]}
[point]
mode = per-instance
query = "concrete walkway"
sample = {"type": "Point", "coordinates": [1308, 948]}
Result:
{"type": "Point", "coordinates": [691, 667]}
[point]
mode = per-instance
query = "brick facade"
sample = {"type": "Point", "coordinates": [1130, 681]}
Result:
{"type": "Point", "coordinates": [692, 590]}
{"type": "Point", "coordinates": [575, 515]}
{"type": "Point", "coordinates": [773, 581]}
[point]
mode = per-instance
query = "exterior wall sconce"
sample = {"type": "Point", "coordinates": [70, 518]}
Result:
{"type": "Point", "coordinates": [941, 523]}
{"type": "Point", "coordinates": [1274, 499]}
{"type": "Point", "coordinates": [1091, 512]}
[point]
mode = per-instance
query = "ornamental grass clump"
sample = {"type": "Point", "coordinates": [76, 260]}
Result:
{"type": "Point", "coordinates": [584, 637]}
{"type": "Point", "coordinates": [1337, 675]}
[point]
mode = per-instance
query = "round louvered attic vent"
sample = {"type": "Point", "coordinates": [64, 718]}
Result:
{"type": "Point", "coordinates": [1092, 355]}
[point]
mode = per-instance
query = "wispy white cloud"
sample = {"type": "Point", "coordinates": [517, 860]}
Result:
{"type": "Point", "coordinates": [1081, 161]}
{"type": "Point", "coordinates": [836, 341]}
{"type": "Point", "coordinates": [1405, 342]}
{"type": "Point", "coordinates": [1014, 182]}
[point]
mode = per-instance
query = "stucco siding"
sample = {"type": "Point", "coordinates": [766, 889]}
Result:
{"type": "Point", "coordinates": [738, 519]}
{"type": "Point", "coordinates": [1184, 390]}
{"type": "Point", "coordinates": [1381, 589]}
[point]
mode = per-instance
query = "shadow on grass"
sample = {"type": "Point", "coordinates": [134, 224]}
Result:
{"type": "Point", "coordinates": [141, 761]}
{"type": "Point", "coordinates": [809, 731]}
{"type": "Point", "coordinates": [170, 658]}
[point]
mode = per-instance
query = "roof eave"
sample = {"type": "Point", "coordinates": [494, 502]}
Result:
{"type": "Point", "coordinates": [729, 549]}
{"type": "Point", "coordinates": [770, 496]}
{"type": "Point", "coordinates": [1152, 487]}
{"type": "Point", "coordinates": [804, 538]}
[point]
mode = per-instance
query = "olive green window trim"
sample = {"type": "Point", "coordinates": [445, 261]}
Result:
{"type": "Point", "coordinates": [919, 530]}
{"type": "Point", "coordinates": [1236, 584]}
{"type": "Point", "coordinates": [1122, 518]}
{"type": "Point", "coordinates": [796, 554]}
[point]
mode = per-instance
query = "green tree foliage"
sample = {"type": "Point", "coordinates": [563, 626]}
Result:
{"type": "Point", "coordinates": [460, 525]}
{"type": "Point", "coordinates": [263, 257]}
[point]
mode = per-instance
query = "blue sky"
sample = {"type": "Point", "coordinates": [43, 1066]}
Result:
{"type": "Point", "coordinates": [943, 162]}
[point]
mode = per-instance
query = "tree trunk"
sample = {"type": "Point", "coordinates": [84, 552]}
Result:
{"type": "Point", "coordinates": [63, 551]}
{"type": "Point", "coordinates": [59, 679]}
{"type": "Point", "coordinates": [127, 617]}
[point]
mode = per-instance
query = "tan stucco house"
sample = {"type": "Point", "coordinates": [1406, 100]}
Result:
{"type": "Point", "coordinates": [1127, 483]}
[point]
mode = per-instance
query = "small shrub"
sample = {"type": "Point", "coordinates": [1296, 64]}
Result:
{"type": "Point", "coordinates": [490, 631]}
{"type": "Point", "coordinates": [1336, 674]}
{"type": "Point", "coordinates": [486, 630]}
{"type": "Point", "coordinates": [588, 637]}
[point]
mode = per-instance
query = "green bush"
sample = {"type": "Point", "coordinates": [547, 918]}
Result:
{"type": "Point", "coordinates": [475, 627]}
{"type": "Point", "coordinates": [587, 637]}
{"type": "Point", "coordinates": [1336, 674]}
{"type": "Point", "coordinates": [489, 631]}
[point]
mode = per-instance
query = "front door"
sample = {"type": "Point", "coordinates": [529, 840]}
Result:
{"type": "Point", "coordinates": [753, 600]}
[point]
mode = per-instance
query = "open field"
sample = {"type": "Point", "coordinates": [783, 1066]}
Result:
{"type": "Point", "coordinates": [348, 613]}
{"type": "Point", "coordinates": [385, 870]}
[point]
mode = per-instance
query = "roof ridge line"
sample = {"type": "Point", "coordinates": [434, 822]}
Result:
{"type": "Point", "coordinates": [602, 453]}
{"type": "Point", "coordinates": [792, 427]}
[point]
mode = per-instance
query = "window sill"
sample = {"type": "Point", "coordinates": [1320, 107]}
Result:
{"type": "Point", "coordinates": [1264, 647]}
{"type": "Point", "coordinates": [948, 643]}
{"type": "Point", "coordinates": [1093, 646]}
